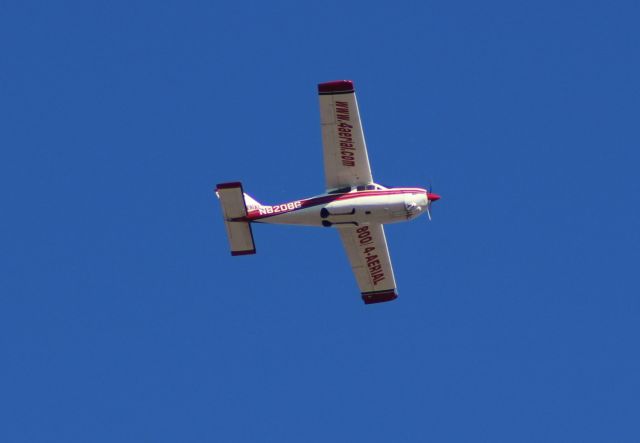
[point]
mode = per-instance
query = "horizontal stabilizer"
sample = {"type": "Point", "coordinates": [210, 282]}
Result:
{"type": "Point", "coordinates": [234, 212]}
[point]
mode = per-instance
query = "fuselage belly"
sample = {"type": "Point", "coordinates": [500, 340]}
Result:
{"type": "Point", "coordinates": [346, 209]}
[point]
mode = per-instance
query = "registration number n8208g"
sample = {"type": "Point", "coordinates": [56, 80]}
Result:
{"type": "Point", "coordinates": [280, 208]}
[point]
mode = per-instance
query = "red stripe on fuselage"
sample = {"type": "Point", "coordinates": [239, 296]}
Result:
{"type": "Point", "coordinates": [328, 198]}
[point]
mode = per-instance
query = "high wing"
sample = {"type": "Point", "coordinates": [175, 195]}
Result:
{"type": "Point", "coordinates": [345, 153]}
{"type": "Point", "coordinates": [369, 257]}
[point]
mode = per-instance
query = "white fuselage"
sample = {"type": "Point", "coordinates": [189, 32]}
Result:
{"type": "Point", "coordinates": [355, 207]}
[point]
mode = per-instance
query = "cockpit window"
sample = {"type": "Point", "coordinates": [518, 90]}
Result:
{"type": "Point", "coordinates": [371, 187]}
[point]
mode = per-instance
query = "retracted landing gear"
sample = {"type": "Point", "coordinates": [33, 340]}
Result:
{"type": "Point", "coordinates": [324, 213]}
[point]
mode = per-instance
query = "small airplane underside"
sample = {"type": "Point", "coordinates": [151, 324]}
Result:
{"type": "Point", "coordinates": [353, 204]}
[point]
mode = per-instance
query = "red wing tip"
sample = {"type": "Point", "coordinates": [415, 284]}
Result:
{"type": "Point", "coordinates": [379, 296]}
{"type": "Point", "coordinates": [335, 86]}
{"type": "Point", "coordinates": [247, 252]}
{"type": "Point", "coordinates": [228, 185]}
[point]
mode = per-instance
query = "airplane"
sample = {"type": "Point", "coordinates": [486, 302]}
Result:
{"type": "Point", "coordinates": [353, 203]}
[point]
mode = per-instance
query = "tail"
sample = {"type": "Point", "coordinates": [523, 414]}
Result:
{"type": "Point", "coordinates": [235, 204]}
{"type": "Point", "coordinates": [251, 203]}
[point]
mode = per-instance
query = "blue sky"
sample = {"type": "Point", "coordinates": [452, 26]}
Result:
{"type": "Point", "coordinates": [124, 318]}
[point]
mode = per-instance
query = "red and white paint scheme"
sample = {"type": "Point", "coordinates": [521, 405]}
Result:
{"type": "Point", "coordinates": [353, 204]}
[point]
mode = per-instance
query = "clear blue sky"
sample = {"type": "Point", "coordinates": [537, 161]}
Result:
{"type": "Point", "coordinates": [123, 318]}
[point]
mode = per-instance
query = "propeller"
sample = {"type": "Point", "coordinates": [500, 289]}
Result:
{"type": "Point", "coordinates": [431, 197]}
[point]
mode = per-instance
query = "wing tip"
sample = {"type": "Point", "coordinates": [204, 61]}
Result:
{"type": "Point", "coordinates": [336, 87]}
{"type": "Point", "coordinates": [379, 296]}
{"type": "Point", "coordinates": [229, 185]}
{"type": "Point", "coordinates": [245, 252]}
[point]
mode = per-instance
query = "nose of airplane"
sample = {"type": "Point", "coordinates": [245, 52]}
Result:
{"type": "Point", "coordinates": [433, 197]}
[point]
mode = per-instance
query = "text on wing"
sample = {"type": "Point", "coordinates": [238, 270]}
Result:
{"type": "Point", "coordinates": [345, 137]}
{"type": "Point", "coordinates": [368, 250]}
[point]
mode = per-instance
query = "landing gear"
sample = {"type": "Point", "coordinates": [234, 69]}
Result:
{"type": "Point", "coordinates": [324, 213]}
{"type": "Point", "coordinates": [328, 224]}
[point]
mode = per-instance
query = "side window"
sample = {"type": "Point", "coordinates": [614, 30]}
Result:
{"type": "Point", "coordinates": [362, 188]}
{"type": "Point", "coordinates": [371, 187]}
